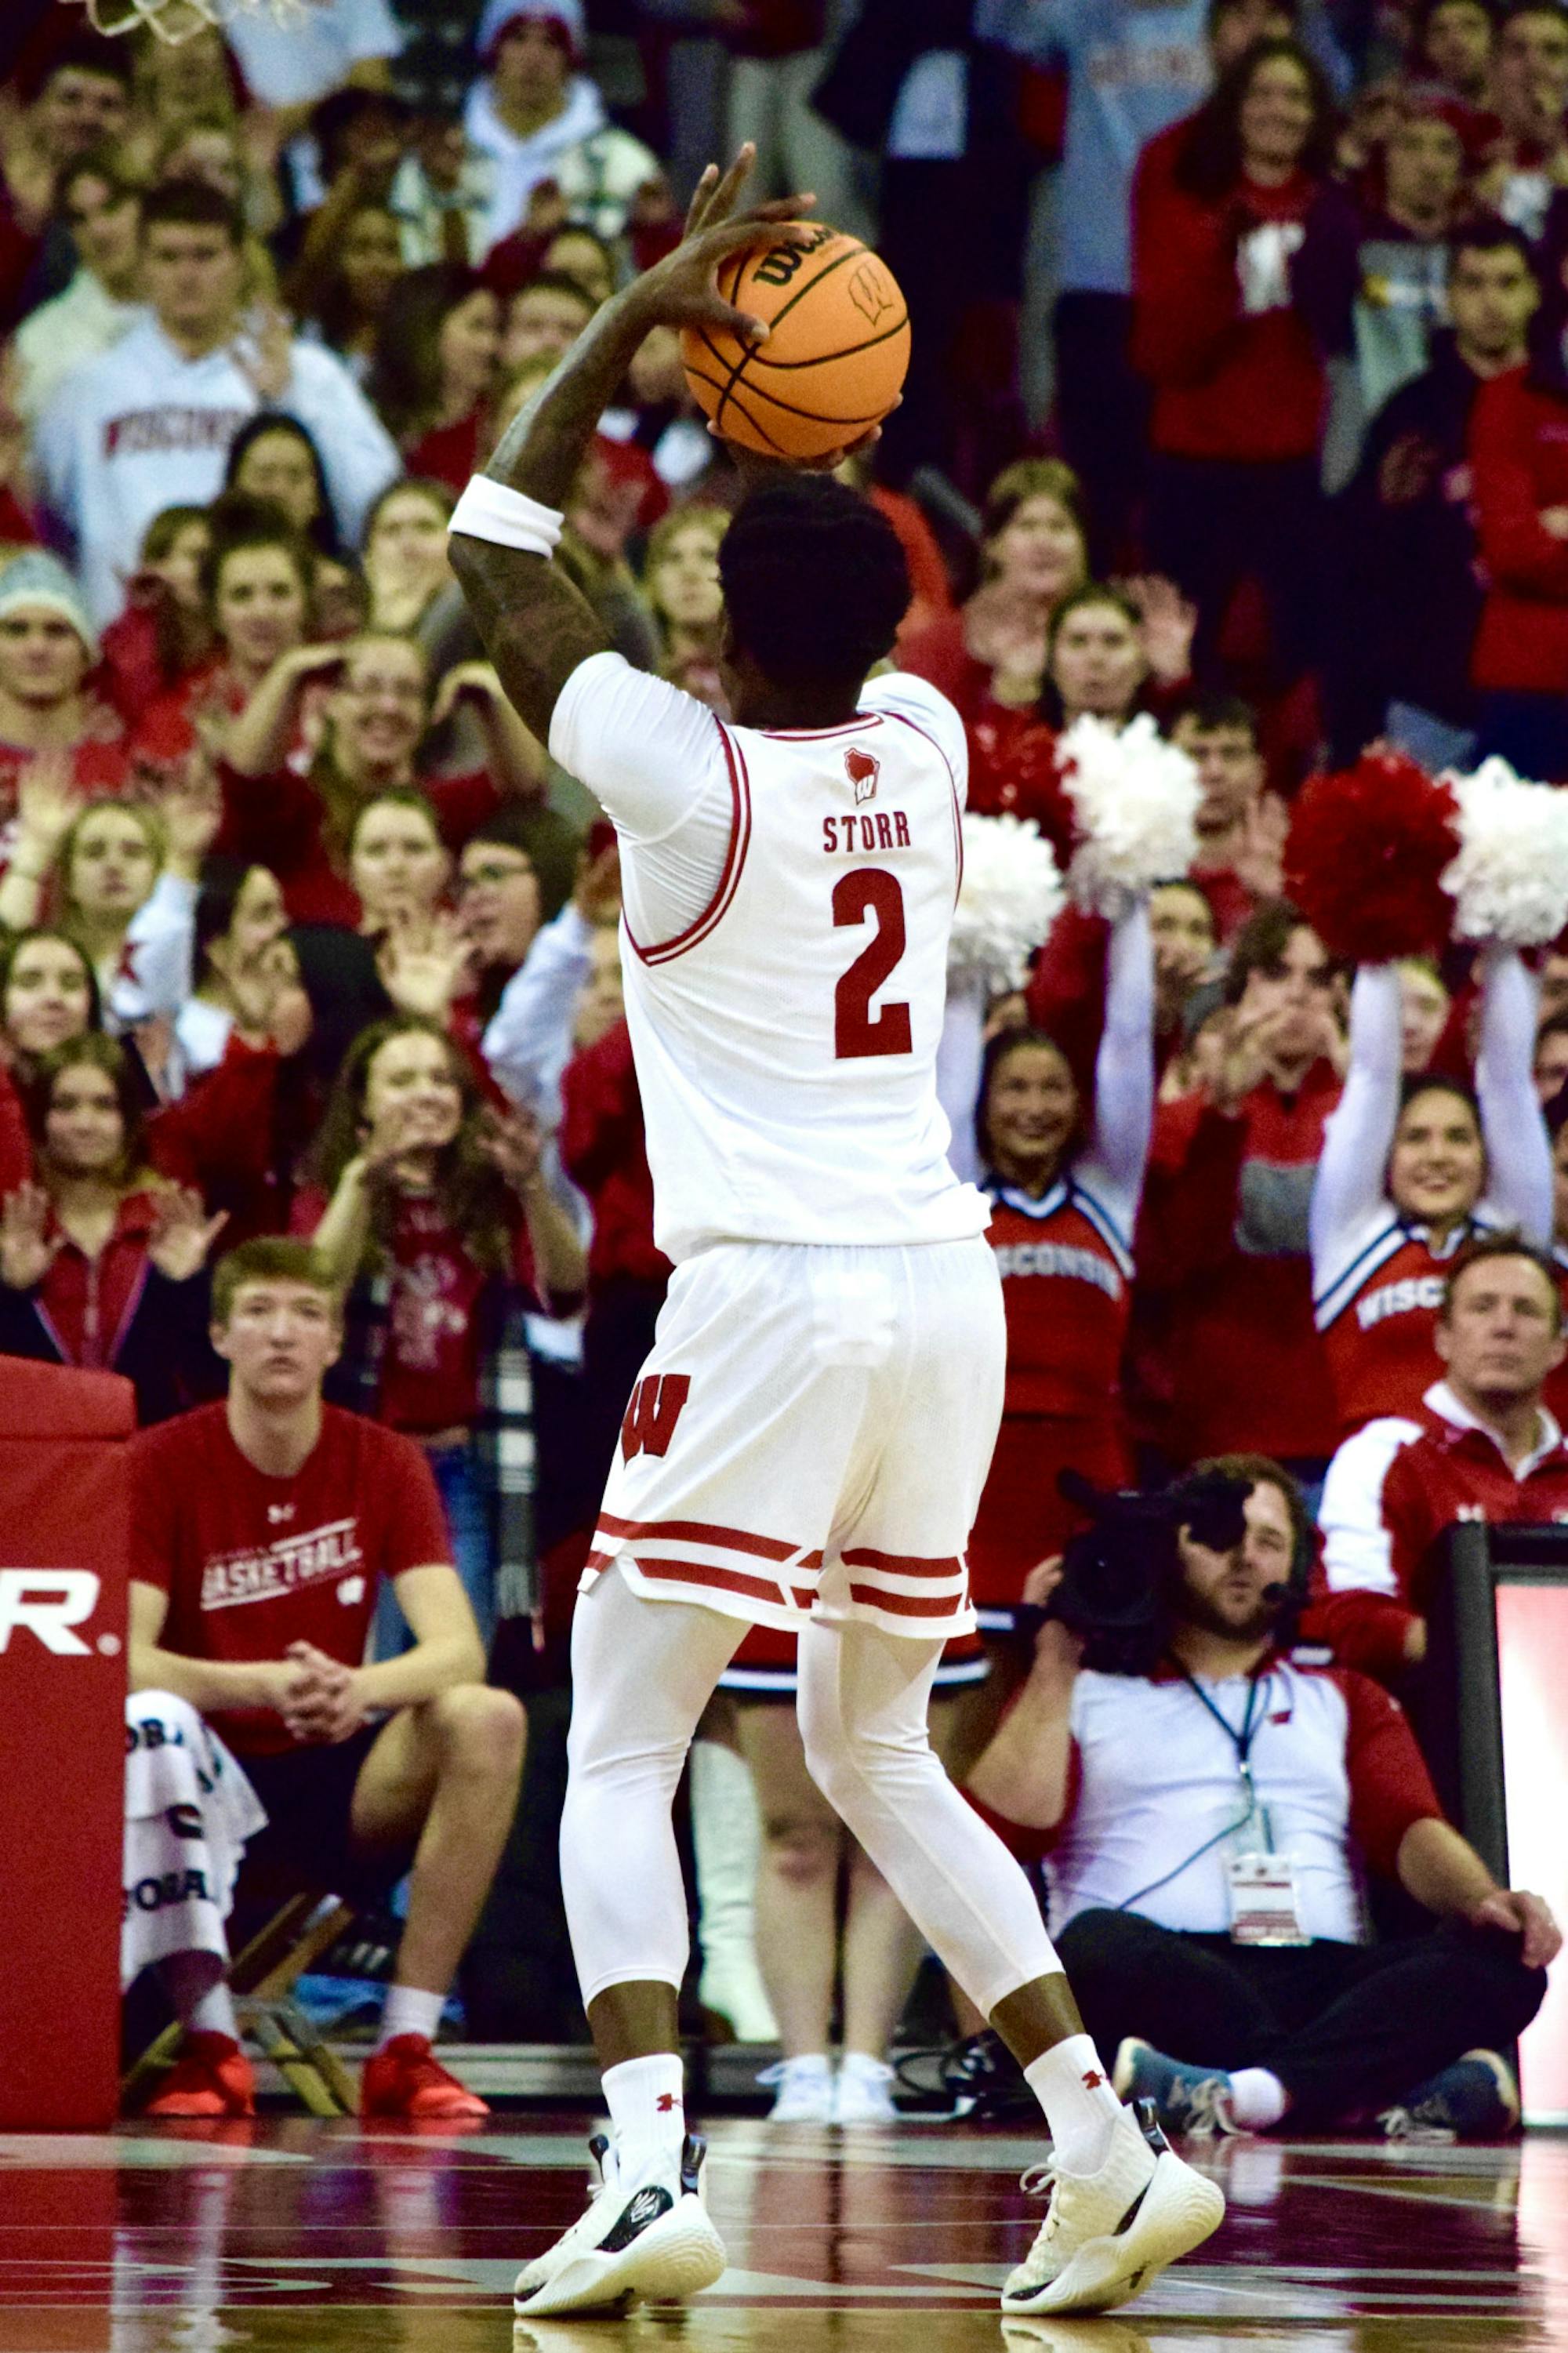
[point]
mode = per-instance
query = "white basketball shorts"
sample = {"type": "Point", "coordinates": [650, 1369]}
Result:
{"type": "Point", "coordinates": [811, 1434]}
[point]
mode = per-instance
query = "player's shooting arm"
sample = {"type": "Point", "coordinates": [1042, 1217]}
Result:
{"type": "Point", "coordinates": [535, 626]}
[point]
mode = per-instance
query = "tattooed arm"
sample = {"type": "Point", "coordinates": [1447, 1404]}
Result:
{"type": "Point", "coordinates": [536, 626]}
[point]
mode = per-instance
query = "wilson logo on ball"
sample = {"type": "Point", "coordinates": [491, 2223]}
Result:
{"type": "Point", "coordinates": [832, 364]}
{"type": "Point", "coordinates": [872, 293]}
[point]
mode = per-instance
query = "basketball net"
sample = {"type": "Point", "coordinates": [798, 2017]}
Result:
{"type": "Point", "coordinates": [174, 21]}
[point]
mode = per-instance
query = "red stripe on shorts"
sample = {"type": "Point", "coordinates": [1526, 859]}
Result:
{"type": "Point", "coordinates": [909, 1605]}
{"type": "Point", "coordinates": [899, 1564]}
{"type": "Point", "coordinates": [726, 1581]}
{"type": "Point", "coordinates": [705, 1531]}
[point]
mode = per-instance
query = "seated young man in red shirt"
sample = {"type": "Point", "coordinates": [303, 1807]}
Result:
{"type": "Point", "coordinates": [264, 1527]}
{"type": "Point", "coordinates": [1483, 1447]}
{"type": "Point", "coordinates": [1208, 1808]}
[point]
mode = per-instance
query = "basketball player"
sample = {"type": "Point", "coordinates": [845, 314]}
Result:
{"type": "Point", "coordinates": [810, 1434]}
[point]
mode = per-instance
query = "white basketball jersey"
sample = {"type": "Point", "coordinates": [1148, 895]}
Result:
{"type": "Point", "coordinates": [785, 1041]}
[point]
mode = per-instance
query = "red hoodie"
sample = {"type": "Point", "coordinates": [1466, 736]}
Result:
{"type": "Point", "coordinates": [1518, 460]}
{"type": "Point", "coordinates": [1227, 386]}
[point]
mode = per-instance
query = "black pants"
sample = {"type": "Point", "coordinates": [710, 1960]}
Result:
{"type": "Point", "coordinates": [1213, 524]}
{"type": "Point", "coordinates": [1346, 2027]}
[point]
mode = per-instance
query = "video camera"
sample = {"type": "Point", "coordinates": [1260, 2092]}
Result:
{"type": "Point", "coordinates": [1119, 1573]}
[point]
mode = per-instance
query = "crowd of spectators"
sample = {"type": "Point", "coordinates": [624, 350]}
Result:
{"type": "Point", "coordinates": [1239, 395]}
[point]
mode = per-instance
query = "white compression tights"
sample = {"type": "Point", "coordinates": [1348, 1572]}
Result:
{"type": "Point", "coordinates": [642, 1674]}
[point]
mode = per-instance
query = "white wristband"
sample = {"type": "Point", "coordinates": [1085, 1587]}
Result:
{"type": "Point", "coordinates": [487, 509]}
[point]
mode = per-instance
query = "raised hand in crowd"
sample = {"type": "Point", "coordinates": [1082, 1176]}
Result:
{"type": "Point", "coordinates": [266, 354]}
{"type": "Point", "coordinates": [1167, 623]}
{"type": "Point", "coordinates": [26, 1251]}
{"type": "Point", "coordinates": [471, 682]}
{"type": "Point", "coordinates": [190, 808]}
{"type": "Point", "coordinates": [260, 739]}
{"type": "Point", "coordinates": [1246, 1038]}
{"type": "Point", "coordinates": [514, 1143]}
{"type": "Point", "coordinates": [47, 802]}
{"type": "Point", "coordinates": [271, 1007]}
{"type": "Point", "coordinates": [182, 1233]}
{"type": "Point", "coordinates": [596, 894]}
{"type": "Point", "coordinates": [425, 966]}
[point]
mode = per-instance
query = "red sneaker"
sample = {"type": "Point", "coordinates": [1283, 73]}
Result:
{"type": "Point", "coordinates": [212, 2077]}
{"type": "Point", "coordinates": [403, 2080]}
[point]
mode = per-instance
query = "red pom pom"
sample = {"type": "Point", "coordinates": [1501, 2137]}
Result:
{"type": "Point", "coordinates": [1014, 771]}
{"type": "Point", "coordinates": [1366, 851]}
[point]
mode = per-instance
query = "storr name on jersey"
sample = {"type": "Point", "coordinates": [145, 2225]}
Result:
{"type": "Point", "coordinates": [292, 1561]}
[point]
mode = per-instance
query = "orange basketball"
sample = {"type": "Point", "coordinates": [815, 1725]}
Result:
{"type": "Point", "coordinates": [834, 363]}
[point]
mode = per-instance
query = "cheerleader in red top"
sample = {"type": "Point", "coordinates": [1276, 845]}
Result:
{"type": "Point", "coordinates": [1410, 1170]}
{"type": "Point", "coordinates": [1064, 1181]}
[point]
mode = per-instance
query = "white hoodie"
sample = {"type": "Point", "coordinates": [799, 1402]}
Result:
{"type": "Point", "coordinates": [597, 168]}
{"type": "Point", "coordinates": [143, 428]}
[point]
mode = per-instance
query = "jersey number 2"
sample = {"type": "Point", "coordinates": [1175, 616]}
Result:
{"type": "Point", "coordinates": [870, 891]}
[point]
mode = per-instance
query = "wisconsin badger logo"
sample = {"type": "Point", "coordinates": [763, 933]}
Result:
{"type": "Point", "coordinates": [863, 772]}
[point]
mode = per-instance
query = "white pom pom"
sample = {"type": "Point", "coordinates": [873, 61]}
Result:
{"type": "Point", "coordinates": [1510, 881]}
{"type": "Point", "coordinates": [1011, 896]}
{"type": "Point", "coordinates": [1136, 801]}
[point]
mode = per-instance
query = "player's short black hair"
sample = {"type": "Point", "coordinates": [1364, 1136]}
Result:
{"type": "Point", "coordinates": [815, 582]}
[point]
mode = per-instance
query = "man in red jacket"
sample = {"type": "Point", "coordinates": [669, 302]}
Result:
{"type": "Point", "coordinates": [1483, 1448]}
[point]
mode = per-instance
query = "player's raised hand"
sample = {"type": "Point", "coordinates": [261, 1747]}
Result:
{"type": "Point", "coordinates": [681, 291]}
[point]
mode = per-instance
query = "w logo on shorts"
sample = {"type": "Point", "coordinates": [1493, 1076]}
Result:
{"type": "Point", "coordinates": [650, 1418]}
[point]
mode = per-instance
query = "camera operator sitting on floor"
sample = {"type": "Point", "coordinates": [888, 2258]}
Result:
{"type": "Point", "coordinates": [1206, 1806]}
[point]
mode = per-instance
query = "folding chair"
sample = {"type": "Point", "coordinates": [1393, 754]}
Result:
{"type": "Point", "coordinates": [261, 1978]}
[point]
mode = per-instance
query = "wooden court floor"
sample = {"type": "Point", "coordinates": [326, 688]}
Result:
{"type": "Point", "coordinates": [290, 2236]}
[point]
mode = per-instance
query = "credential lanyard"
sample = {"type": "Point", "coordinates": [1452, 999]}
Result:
{"type": "Point", "coordinates": [1240, 1741]}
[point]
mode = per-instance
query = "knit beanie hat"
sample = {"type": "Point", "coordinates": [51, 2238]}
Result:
{"type": "Point", "coordinates": [36, 578]}
{"type": "Point", "coordinates": [565, 18]}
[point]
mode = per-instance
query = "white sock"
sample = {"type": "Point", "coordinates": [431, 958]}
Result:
{"type": "Point", "coordinates": [1080, 2107]}
{"type": "Point", "coordinates": [648, 2107]}
{"type": "Point", "coordinates": [1257, 2099]}
{"type": "Point", "coordinates": [214, 2014]}
{"type": "Point", "coordinates": [409, 2009]}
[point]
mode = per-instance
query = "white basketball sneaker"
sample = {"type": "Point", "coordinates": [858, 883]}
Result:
{"type": "Point", "coordinates": [1108, 2233]}
{"type": "Point", "coordinates": [645, 2234]}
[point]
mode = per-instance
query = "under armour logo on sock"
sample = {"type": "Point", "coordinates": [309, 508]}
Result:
{"type": "Point", "coordinates": [667, 2104]}
{"type": "Point", "coordinates": [1093, 2082]}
